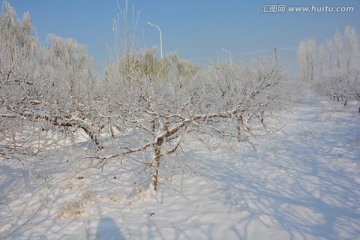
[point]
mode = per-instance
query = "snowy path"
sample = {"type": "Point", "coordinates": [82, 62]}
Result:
{"type": "Point", "coordinates": [301, 183]}
{"type": "Point", "coordinates": [305, 185]}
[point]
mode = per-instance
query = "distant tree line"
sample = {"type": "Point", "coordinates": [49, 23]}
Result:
{"type": "Point", "coordinates": [334, 67]}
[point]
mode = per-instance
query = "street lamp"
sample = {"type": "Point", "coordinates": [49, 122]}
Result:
{"type": "Point", "coordinates": [153, 25]}
{"type": "Point", "coordinates": [229, 55]}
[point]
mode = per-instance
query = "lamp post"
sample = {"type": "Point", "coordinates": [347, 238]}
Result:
{"type": "Point", "coordinates": [228, 52]}
{"type": "Point", "coordinates": [153, 25]}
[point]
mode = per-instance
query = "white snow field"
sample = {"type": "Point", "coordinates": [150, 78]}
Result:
{"type": "Point", "coordinates": [302, 182]}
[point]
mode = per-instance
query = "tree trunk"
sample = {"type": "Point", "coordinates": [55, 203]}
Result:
{"type": "Point", "coordinates": [238, 132]}
{"type": "Point", "coordinates": [157, 159]}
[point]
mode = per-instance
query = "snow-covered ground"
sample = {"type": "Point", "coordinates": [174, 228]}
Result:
{"type": "Point", "coordinates": [302, 182]}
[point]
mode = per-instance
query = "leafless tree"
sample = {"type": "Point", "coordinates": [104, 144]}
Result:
{"type": "Point", "coordinates": [330, 53]}
{"type": "Point", "coordinates": [338, 48]}
{"type": "Point", "coordinates": [307, 56]}
{"type": "Point", "coordinates": [322, 52]}
{"type": "Point", "coordinates": [42, 89]}
{"type": "Point", "coordinates": [342, 82]}
{"type": "Point", "coordinates": [19, 72]}
{"type": "Point", "coordinates": [351, 45]}
{"type": "Point", "coordinates": [160, 113]}
{"type": "Point", "coordinates": [143, 118]}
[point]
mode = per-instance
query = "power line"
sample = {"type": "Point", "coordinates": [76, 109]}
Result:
{"type": "Point", "coordinates": [242, 53]}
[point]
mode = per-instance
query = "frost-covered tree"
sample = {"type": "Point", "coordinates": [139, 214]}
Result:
{"type": "Point", "coordinates": [352, 48]}
{"type": "Point", "coordinates": [338, 48]}
{"type": "Point", "coordinates": [19, 75]}
{"type": "Point", "coordinates": [341, 80]}
{"type": "Point", "coordinates": [69, 67]}
{"type": "Point", "coordinates": [344, 82]}
{"type": "Point", "coordinates": [322, 52]}
{"type": "Point", "coordinates": [71, 86]}
{"type": "Point", "coordinates": [42, 89]}
{"type": "Point", "coordinates": [160, 114]}
{"type": "Point", "coordinates": [139, 112]}
{"type": "Point", "coordinates": [129, 64]}
{"type": "Point", "coordinates": [330, 54]}
{"type": "Point", "coordinates": [307, 57]}
{"type": "Point", "coordinates": [302, 60]}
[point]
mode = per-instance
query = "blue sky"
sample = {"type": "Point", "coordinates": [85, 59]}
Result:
{"type": "Point", "coordinates": [197, 30]}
